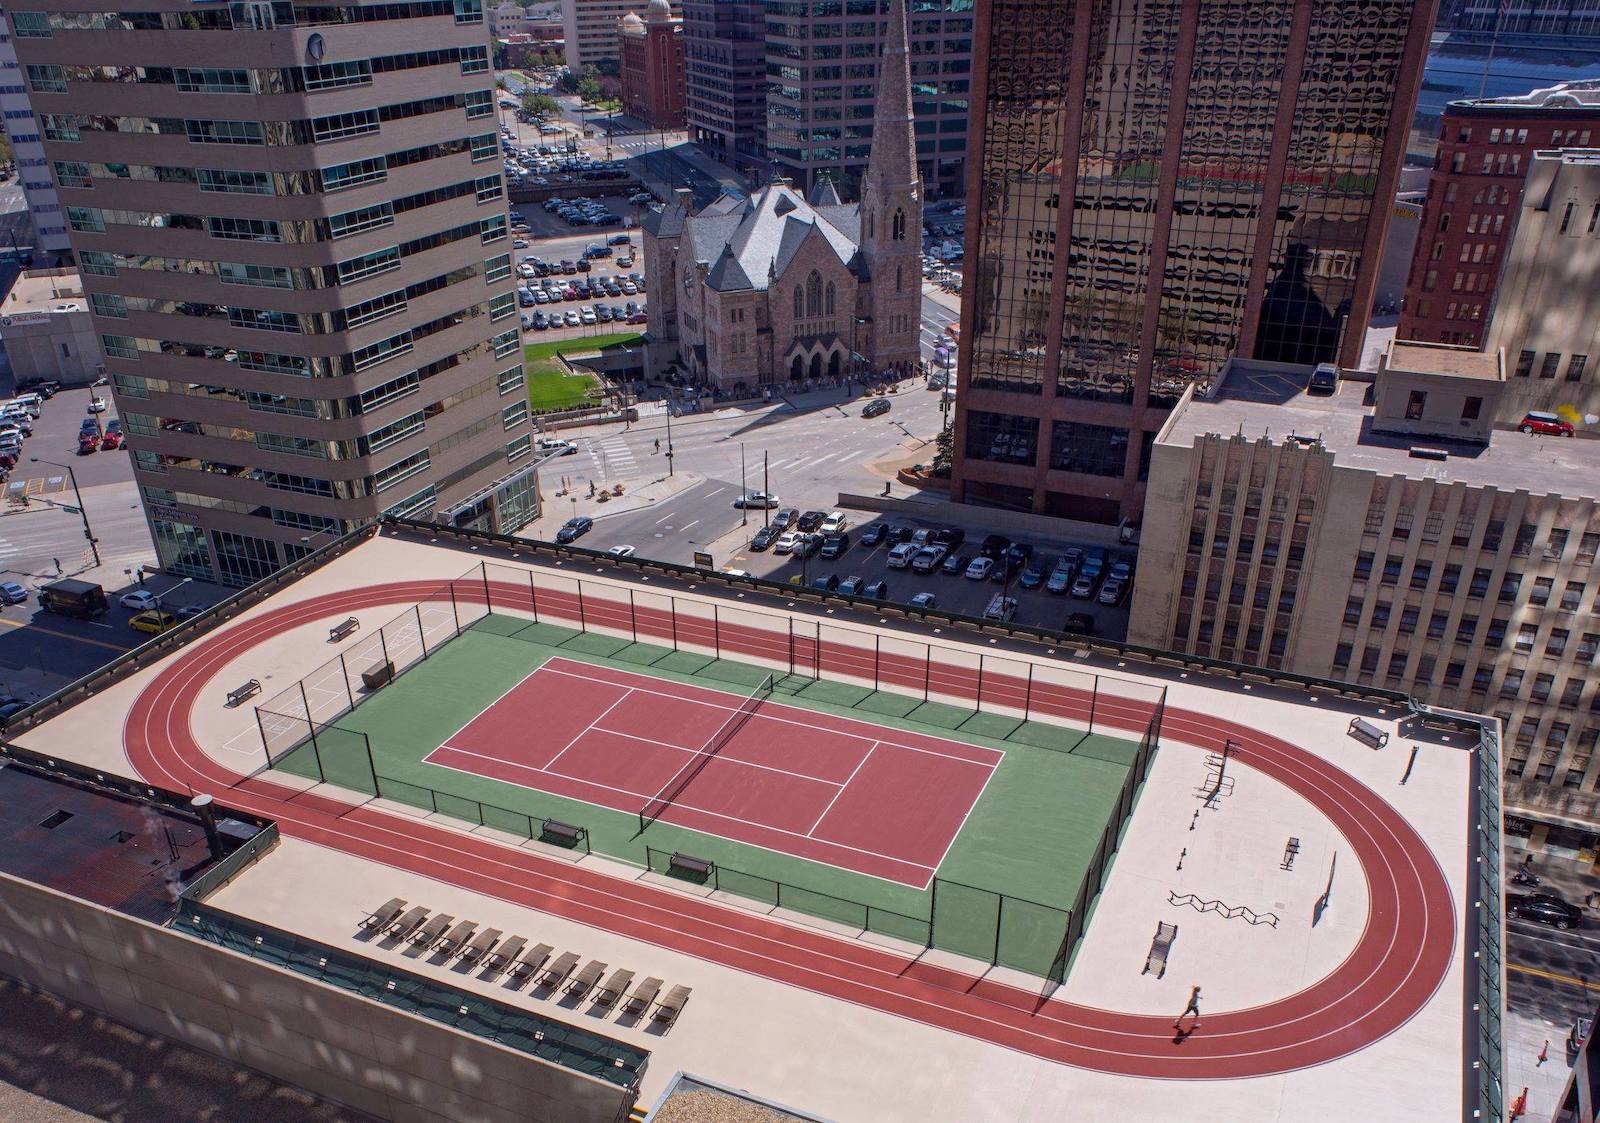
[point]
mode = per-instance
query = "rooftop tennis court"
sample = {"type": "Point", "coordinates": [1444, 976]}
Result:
{"type": "Point", "coordinates": [896, 810]}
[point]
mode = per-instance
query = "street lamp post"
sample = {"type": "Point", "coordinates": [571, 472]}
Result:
{"type": "Point", "coordinates": [669, 436]}
{"type": "Point", "coordinates": [744, 494]}
{"type": "Point", "coordinates": [94, 546]}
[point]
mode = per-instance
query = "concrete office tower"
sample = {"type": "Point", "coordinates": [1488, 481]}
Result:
{"type": "Point", "coordinates": [1486, 147]}
{"type": "Point", "coordinates": [590, 30]}
{"type": "Point", "coordinates": [1547, 313]}
{"type": "Point", "coordinates": [1404, 544]}
{"type": "Point", "coordinates": [823, 82]}
{"type": "Point", "coordinates": [725, 74]}
{"type": "Point", "coordinates": [33, 170]}
{"type": "Point", "coordinates": [296, 253]}
{"type": "Point", "coordinates": [1156, 186]}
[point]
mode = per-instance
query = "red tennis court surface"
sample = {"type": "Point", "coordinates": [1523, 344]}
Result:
{"type": "Point", "coordinates": [855, 795]}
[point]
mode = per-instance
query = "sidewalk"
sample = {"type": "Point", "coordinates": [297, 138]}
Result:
{"type": "Point", "coordinates": [1523, 1038]}
{"type": "Point", "coordinates": [559, 508]}
{"type": "Point", "coordinates": [1571, 879]}
{"type": "Point", "coordinates": [950, 301]}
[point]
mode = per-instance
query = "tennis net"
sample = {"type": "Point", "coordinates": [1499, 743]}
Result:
{"type": "Point", "coordinates": [653, 810]}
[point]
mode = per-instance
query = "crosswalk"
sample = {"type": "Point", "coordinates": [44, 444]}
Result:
{"type": "Point", "coordinates": [7, 549]}
{"type": "Point", "coordinates": [612, 458]}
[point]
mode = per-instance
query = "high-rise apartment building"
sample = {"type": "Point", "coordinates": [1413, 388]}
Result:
{"type": "Point", "coordinates": [590, 30]}
{"type": "Point", "coordinates": [1218, 180]}
{"type": "Point", "coordinates": [725, 74]}
{"type": "Point", "coordinates": [33, 170]}
{"type": "Point", "coordinates": [1486, 148]}
{"type": "Point", "coordinates": [292, 227]}
{"type": "Point", "coordinates": [822, 80]}
{"type": "Point", "coordinates": [1405, 544]}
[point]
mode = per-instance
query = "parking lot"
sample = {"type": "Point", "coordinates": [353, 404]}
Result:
{"type": "Point", "coordinates": [585, 278]}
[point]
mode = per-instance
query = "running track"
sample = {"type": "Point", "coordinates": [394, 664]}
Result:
{"type": "Point", "coordinates": [1396, 966]}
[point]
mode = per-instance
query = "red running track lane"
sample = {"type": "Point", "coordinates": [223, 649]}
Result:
{"type": "Point", "coordinates": [1389, 976]}
{"type": "Point", "coordinates": [882, 802]}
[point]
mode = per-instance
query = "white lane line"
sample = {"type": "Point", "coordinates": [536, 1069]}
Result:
{"type": "Point", "coordinates": [850, 779]}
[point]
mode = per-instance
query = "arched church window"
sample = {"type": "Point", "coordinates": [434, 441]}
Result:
{"type": "Point", "coordinates": [898, 280]}
{"type": "Point", "coordinates": [899, 225]}
{"type": "Point", "coordinates": [830, 298]}
{"type": "Point", "coordinates": [799, 302]}
{"type": "Point", "coordinates": [814, 294]}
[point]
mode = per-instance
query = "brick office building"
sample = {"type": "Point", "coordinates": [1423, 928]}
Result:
{"type": "Point", "coordinates": [1485, 148]}
{"type": "Point", "coordinates": [652, 67]}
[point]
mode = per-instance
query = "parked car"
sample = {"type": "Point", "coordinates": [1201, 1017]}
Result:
{"type": "Point", "coordinates": [928, 558]}
{"type": "Point", "coordinates": [574, 528]}
{"type": "Point", "coordinates": [811, 520]}
{"type": "Point", "coordinates": [623, 551]}
{"type": "Point", "coordinates": [924, 600]}
{"type": "Point", "coordinates": [97, 405]}
{"type": "Point", "coordinates": [834, 545]}
{"type": "Point", "coordinates": [1032, 577]}
{"type": "Point", "coordinates": [757, 500]}
{"type": "Point", "coordinates": [873, 534]}
{"type": "Point", "coordinates": [827, 583]}
{"type": "Point", "coordinates": [834, 523]}
{"type": "Point", "coordinates": [787, 542]}
{"type": "Point", "coordinates": [1060, 577]}
{"type": "Point", "coordinates": [1546, 908]}
{"type": "Point", "coordinates": [900, 557]}
{"type": "Point", "coordinates": [763, 538]}
{"type": "Point", "coordinates": [1121, 570]}
{"type": "Point", "coordinates": [556, 446]}
{"type": "Point", "coordinates": [140, 600]}
{"type": "Point", "coordinates": [994, 546]}
{"type": "Point", "coordinates": [1112, 591]}
{"type": "Point", "coordinates": [87, 443]}
{"type": "Point", "coordinates": [876, 590]}
{"type": "Point", "coordinates": [956, 563]}
{"type": "Point", "coordinates": [154, 622]}
{"type": "Point", "coordinates": [877, 407]}
{"type": "Point", "coordinates": [980, 568]}
{"type": "Point", "coordinates": [1083, 588]}
{"type": "Point", "coordinates": [1546, 424]}
{"type": "Point", "coordinates": [785, 518]}
{"type": "Point", "coordinates": [951, 537]}
{"type": "Point", "coordinates": [1079, 623]}
{"type": "Point", "coordinates": [1000, 607]}
{"type": "Point", "coordinates": [809, 544]}
{"type": "Point", "coordinates": [11, 592]}
{"type": "Point", "coordinates": [851, 586]}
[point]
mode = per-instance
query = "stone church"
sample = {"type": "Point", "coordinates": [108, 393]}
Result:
{"type": "Point", "coordinates": [779, 287]}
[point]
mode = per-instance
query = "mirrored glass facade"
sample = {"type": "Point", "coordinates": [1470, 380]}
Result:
{"type": "Point", "coordinates": [1209, 172]}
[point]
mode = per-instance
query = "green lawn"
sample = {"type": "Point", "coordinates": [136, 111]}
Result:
{"type": "Point", "coordinates": [550, 387]}
{"type": "Point", "coordinates": [1031, 835]}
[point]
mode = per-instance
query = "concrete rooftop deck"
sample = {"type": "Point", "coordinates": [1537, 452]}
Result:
{"type": "Point", "coordinates": [848, 1058]}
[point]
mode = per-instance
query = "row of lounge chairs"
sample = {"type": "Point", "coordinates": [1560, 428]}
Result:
{"type": "Point", "coordinates": [462, 939]}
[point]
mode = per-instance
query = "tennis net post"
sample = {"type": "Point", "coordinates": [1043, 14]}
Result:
{"type": "Point", "coordinates": [676, 786]}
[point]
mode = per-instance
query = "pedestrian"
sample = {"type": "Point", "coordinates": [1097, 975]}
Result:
{"type": "Point", "coordinates": [658, 444]}
{"type": "Point", "coordinates": [58, 566]}
{"type": "Point", "coordinates": [1192, 1008]}
{"type": "Point", "coordinates": [1544, 1053]}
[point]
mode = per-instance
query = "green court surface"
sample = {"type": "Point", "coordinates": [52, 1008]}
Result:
{"type": "Point", "coordinates": [1002, 893]}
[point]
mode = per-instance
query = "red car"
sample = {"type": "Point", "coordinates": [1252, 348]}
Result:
{"type": "Point", "coordinates": [8, 460]}
{"type": "Point", "coordinates": [87, 443]}
{"type": "Point", "coordinates": [1549, 424]}
{"type": "Point", "coordinates": [112, 439]}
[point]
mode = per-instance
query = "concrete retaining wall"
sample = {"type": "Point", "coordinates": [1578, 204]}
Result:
{"type": "Point", "coordinates": [330, 1042]}
{"type": "Point", "coordinates": [984, 519]}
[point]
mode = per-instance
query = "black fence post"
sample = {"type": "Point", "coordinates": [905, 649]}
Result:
{"type": "Point", "coordinates": [672, 607]}
{"type": "Point", "coordinates": [310, 721]}
{"type": "Point", "coordinates": [1094, 700]}
{"type": "Point", "coordinates": [371, 767]}
{"type": "Point", "coordinates": [583, 617]}
{"type": "Point", "coordinates": [422, 638]}
{"type": "Point", "coordinates": [999, 923]}
{"type": "Point", "coordinates": [978, 702]}
{"type": "Point", "coordinates": [454, 611]}
{"type": "Point", "coordinates": [877, 653]}
{"type": "Point", "coordinates": [927, 670]}
{"type": "Point", "coordinates": [1027, 698]}
{"type": "Point", "coordinates": [716, 632]}
{"type": "Point", "coordinates": [266, 748]}
{"type": "Point", "coordinates": [345, 672]}
{"type": "Point", "coordinates": [633, 616]}
{"type": "Point", "coordinates": [790, 621]}
{"type": "Point", "coordinates": [383, 645]}
{"type": "Point", "coordinates": [533, 596]}
{"type": "Point", "coordinates": [933, 910]}
{"type": "Point", "coordinates": [488, 604]}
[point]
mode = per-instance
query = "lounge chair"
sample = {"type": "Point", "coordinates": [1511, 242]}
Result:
{"type": "Point", "coordinates": [588, 977]}
{"type": "Point", "coordinates": [639, 1001]}
{"type": "Point", "coordinates": [383, 916]}
{"type": "Point", "coordinates": [504, 953]}
{"type": "Point", "coordinates": [453, 939]}
{"type": "Point", "coordinates": [556, 974]}
{"type": "Point", "coordinates": [481, 944]}
{"type": "Point", "coordinates": [668, 1009]}
{"type": "Point", "coordinates": [406, 923]}
{"type": "Point", "coordinates": [614, 987]}
{"type": "Point", "coordinates": [531, 961]}
{"type": "Point", "coordinates": [430, 932]}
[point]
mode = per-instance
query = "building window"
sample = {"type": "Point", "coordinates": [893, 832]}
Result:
{"type": "Point", "coordinates": [1572, 596]}
{"type": "Point", "coordinates": [1002, 437]}
{"type": "Point", "coordinates": [1575, 367]}
{"type": "Point", "coordinates": [1471, 408]}
{"type": "Point", "coordinates": [1415, 405]}
{"type": "Point", "coordinates": [1095, 450]}
{"type": "Point", "coordinates": [1552, 361]}
{"type": "Point", "coordinates": [1526, 634]}
{"type": "Point", "coordinates": [242, 559]}
{"type": "Point", "coordinates": [1540, 596]}
{"type": "Point", "coordinates": [1556, 645]}
{"type": "Point", "coordinates": [1524, 364]}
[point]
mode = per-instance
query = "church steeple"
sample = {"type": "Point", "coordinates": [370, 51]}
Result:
{"type": "Point", "coordinates": [891, 208]}
{"type": "Point", "coordinates": [893, 160]}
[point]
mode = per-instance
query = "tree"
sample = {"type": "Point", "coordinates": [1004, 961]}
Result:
{"type": "Point", "coordinates": [540, 105]}
{"type": "Point", "coordinates": [943, 451]}
{"type": "Point", "coordinates": [589, 89]}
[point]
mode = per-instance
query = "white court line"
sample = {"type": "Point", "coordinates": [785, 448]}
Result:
{"type": "Point", "coordinates": [998, 754]}
{"type": "Point", "coordinates": [848, 781]}
{"type": "Point", "coordinates": [730, 759]}
{"type": "Point", "coordinates": [584, 732]}
{"type": "Point", "coordinates": [652, 798]}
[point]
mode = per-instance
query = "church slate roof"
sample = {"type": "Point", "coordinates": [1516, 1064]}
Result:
{"type": "Point", "coordinates": [748, 241]}
{"type": "Point", "coordinates": [727, 275]}
{"type": "Point", "coordinates": [824, 194]}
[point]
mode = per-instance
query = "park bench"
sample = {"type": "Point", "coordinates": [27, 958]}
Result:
{"type": "Point", "coordinates": [378, 675]}
{"type": "Point", "coordinates": [681, 863]}
{"type": "Point", "coordinates": [250, 689]}
{"type": "Point", "coordinates": [1367, 733]}
{"type": "Point", "coordinates": [342, 629]}
{"type": "Point", "coordinates": [1159, 947]}
{"type": "Point", "coordinates": [567, 834]}
{"type": "Point", "coordinates": [1290, 849]}
{"type": "Point", "coordinates": [383, 916]}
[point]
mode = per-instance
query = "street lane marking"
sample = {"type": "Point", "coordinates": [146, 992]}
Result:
{"type": "Point", "coordinates": [64, 635]}
{"type": "Point", "coordinates": [1554, 976]}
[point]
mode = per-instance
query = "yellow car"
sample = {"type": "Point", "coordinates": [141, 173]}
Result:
{"type": "Point", "coordinates": [153, 622]}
